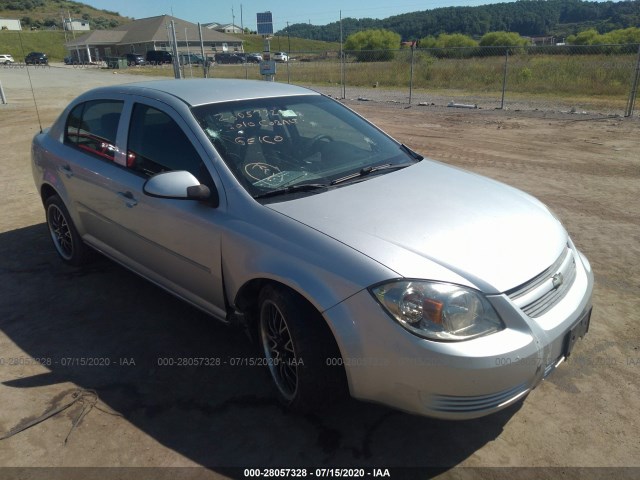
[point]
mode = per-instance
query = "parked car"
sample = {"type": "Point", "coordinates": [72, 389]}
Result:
{"type": "Point", "coordinates": [353, 260]}
{"type": "Point", "coordinates": [229, 58]}
{"type": "Point", "coordinates": [190, 59]}
{"type": "Point", "coordinates": [134, 59]}
{"type": "Point", "coordinates": [69, 60]}
{"type": "Point", "coordinates": [280, 57]}
{"type": "Point", "coordinates": [36, 58]}
{"type": "Point", "coordinates": [6, 59]}
{"type": "Point", "coordinates": [156, 57]}
{"type": "Point", "coordinates": [254, 57]}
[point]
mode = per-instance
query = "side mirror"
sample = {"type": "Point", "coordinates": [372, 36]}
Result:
{"type": "Point", "coordinates": [179, 185]}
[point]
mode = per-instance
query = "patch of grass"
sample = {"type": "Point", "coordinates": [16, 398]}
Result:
{"type": "Point", "coordinates": [553, 76]}
{"type": "Point", "coordinates": [49, 42]}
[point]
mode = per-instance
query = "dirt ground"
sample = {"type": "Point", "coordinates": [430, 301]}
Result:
{"type": "Point", "coordinates": [586, 168]}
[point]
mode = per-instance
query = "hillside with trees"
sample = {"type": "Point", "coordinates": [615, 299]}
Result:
{"type": "Point", "coordinates": [560, 18]}
{"type": "Point", "coordinates": [47, 14]}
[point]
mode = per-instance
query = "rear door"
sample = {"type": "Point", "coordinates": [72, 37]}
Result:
{"type": "Point", "coordinates": [115, 145]}
{"type": "Point", "coordinates": [88, 164]}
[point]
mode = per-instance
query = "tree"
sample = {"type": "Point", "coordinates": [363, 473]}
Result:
{"type": "Point", "coordinates": [428, 42]}
{"type": "Point", "coordinates": [615, 37]}
{"type": "Point", "coordinates": [503, 39]}
{"type": "Point", "coordinates": [559, 18]}
{"type": "Point", "coordinates": [586, 37]}
{"type": "Point", "coordinates": [50, 22]}
{"type": "Point", "coordinates": [622, 36]}
{"type": "Point", "coordinates": [444, 40]}
{"type": "Point", "coordinates": [373, 45]}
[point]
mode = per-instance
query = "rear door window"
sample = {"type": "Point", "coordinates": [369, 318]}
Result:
{"type": "Point", "coordinates": [93, 126]}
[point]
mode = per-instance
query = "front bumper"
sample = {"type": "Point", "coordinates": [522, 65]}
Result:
{"type": "Point", "coordinates": [386, 364]}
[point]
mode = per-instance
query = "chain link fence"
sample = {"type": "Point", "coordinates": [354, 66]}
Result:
{"type": "Point", "coordinates": [600, 79]}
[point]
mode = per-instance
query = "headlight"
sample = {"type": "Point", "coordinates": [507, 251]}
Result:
{"type": "Point", "coordinates": [438, 311]}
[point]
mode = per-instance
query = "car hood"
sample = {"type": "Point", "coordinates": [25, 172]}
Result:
{"type": "Point", "coordinates": [438, 222]}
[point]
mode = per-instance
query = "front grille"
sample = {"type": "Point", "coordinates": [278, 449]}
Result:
{"type": "Point", "coordinates": [542, 293]}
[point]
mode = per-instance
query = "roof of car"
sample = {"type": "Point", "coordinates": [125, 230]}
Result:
{"type": "Point", "coordinates": [196, 92]}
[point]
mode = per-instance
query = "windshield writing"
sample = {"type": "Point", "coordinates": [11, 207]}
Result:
{"type": "Point", "coordinates": [274, 143]}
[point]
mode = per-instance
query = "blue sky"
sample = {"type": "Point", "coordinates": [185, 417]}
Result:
{"type": "Point", "coordinates": [292, 11]}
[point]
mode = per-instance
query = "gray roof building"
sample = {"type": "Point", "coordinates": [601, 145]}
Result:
{"type": "Point", "coordinates": [151, 33]}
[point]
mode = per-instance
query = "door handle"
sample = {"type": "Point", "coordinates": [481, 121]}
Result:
{"type": "Point", "coordinates": [66, 170]}
{"type": "Point", "coordinates": [129, 200]}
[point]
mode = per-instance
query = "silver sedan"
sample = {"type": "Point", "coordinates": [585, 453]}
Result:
{"type": "Point", "coordinates": [358, 265]}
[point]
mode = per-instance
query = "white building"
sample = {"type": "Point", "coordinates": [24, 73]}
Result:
{"type": "Point", "coordinates": [76, 25]}
{"type": "Point", "coordinates": [10, 24]}
{"type": "Point", "coordinates": [223, 28]}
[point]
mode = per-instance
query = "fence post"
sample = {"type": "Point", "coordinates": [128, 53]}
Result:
{"type": "Point", "coordinates": [342, 73]}
{"type": "Point", "coordinates": [411, 74]}
{"type": "Point", "coordinates": [205, 69]}
{"type": "Point", "coordinates": [634, 88]}
{"type": "Point", "coordinates": [3, 98]}
{"type": "Point", "coordinates": [504, 78]}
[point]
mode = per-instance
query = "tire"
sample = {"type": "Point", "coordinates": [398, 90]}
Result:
{"type": "Point", "coordinates": [299, 350]}
{"type": "Point", "coordinates": [66, 240]}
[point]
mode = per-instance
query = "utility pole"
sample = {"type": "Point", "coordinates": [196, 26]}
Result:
{"type": "Point", "coordinates": [63, 29]}
{"type": "Point", "coordinates": [176, 62]}
{"type": "Point", "coordinates": [241, 21]}
{"type": "Point", "coordinates": [344, 92]}
{"type": "Point", "coordinates": [73, 32]}
{"type": "Point", "coordinates": [233, 19]}
{"type": "Point", "coordinates": [289, 38]}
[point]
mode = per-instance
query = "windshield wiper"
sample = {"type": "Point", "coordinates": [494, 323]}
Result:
{"type": "Point", "coordinates": [367, 170]}
{"type": "Point", "coordinates": [303, 187]}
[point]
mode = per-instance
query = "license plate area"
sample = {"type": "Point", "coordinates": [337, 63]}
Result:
{"type": "Point", "coordinates": [578, 331]}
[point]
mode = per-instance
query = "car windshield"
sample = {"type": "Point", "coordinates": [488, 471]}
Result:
{"type": "Point", "coordinates": [281, 144]}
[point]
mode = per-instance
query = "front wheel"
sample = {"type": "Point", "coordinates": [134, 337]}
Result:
{"type": "Point", "coordinates": [64, 235]}
{"type": "Point", "coordinates": [299, 349]}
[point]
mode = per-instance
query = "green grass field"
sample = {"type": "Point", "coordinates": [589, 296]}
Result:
{"type": "Point", "coordinates": [552, 76]}
{"type": "Point", "coordinates": [18, 44]}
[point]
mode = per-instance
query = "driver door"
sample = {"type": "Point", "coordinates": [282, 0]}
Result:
{"type": "Point", "coordinates": [175, 243]}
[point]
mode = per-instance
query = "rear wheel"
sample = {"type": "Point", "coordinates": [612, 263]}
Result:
{"type": "Point", "coordinates": [64, 235]}
{"type": "Point", "coordinates": [299, 349]}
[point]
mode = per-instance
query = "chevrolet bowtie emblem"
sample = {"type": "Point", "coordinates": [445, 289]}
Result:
{"type": "Point", "coordinates": [557, 280]}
